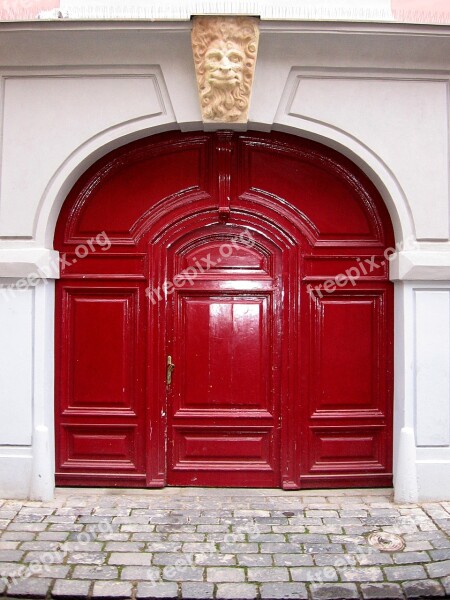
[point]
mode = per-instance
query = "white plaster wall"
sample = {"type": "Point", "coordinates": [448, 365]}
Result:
{"type": "Point", "coordinates": [26, 389]}
{"type": "Point", "coordinates": [432, 357]}
{"type": "Point", "coordinates": [422, 416]}
{"type": "Point", "coordinates": [16, 352]}
{"type": "Point", "coordinates": [381, 97]}
{"type": "Point", "coordinates": [91, 104]}
{"type": "Point", "coordinates": [407, 133]}
{"type": "Point", "coordinates": [432, 406]}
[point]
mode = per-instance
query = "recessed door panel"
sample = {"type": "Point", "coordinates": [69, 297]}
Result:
{"type": "Point", "coordinates": [220, 447]}
{"type": "Point", "coordinates": [346, 343]}
{"type": "Point", "coordinates": [100, 358]}
{"type": "Point", "coordinates": [346, 449]}
{"type": "Point", "coordinates": [225, 349]}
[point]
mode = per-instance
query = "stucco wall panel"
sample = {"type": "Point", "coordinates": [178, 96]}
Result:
{"type": "Point", "coordinates": [16, 363]}
{"type": "Point", "coordinates": [46, 118]}
{"type": "Point", "coordinates": [399, 121]}
{"type": "Point", "coordinates": [432, 309]}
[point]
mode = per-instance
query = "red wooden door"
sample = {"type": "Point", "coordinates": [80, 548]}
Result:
{"type": "Point", "coordinates": [257, 263]}
{"type": "Point", "coordinates": [224, 335]}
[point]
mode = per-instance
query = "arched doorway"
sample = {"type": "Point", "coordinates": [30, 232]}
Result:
{"type": "Point", "coordinates": [224, 317]}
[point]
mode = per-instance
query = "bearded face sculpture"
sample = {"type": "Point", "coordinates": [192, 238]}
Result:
{"type": "Point", "coordinates": [224, 55]}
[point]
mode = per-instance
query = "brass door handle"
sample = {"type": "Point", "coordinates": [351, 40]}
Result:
{"type": "Point", "coordinates": [169, 369]}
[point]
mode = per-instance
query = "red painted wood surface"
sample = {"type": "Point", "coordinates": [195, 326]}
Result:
{"type": "Point", "coordinates": [283, 367]}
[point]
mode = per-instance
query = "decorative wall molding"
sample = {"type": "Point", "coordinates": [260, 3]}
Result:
{"type": "Point", "coordinates": [225, 50]}
{"type": "Point", "coordinates": [421, 266]}
{"type": "Point", "coordinates": [38, 263]}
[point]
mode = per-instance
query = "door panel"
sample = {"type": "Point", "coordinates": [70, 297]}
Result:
{"type": "Point", "coordinates": [99, 424]}
{"type": "Point", "coordinates": [223, 402]}
{"type": "Point", "coordinates": [224, 341]}
{"type": "Point", "coordinates": [87, 444]}
{"type": "Point", "coordinates": [347, 337]}
{"type": "Point", "coordinates": [349, 417]}
{"type": "Point", "coordinates": [196, 448]}
{"type": "Point", "coordinates": [337, 450]}
{"type": "Point", "coordinates": [101, 344]}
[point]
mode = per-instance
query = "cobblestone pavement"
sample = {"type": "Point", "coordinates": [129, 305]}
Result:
{"type": "Point", "coordinates": [222, 544]}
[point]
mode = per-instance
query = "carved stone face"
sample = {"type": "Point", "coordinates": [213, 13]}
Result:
{"type": "Point", "coordinates": [224, 50]}
{"type": "Point", "coordinates": [224, 62]}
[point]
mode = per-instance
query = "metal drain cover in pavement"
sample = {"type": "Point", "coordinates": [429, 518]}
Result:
{"type": "Point", "coordinates": [387, 542]}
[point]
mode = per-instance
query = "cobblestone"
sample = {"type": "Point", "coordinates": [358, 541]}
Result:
{"type": "Point", "coordinates": [254, 560]}
{"type": "Point", "coordinates": [376, 558]}
{"type": "Point", "coordinates": [197, 591]}
{"type": "Point", "coordinates": [86, 558]}
{"type": "Point", "coordinates": [238, 548]}
{"type": "Point", "coordinates": [236, 591]}
{"type": "Point", "coordinates": [324, 548]}
{"type": "Point", "coordinates": [267, 574]}
{"type": "Point", "coordinates": [182, 573]}
{"type": "Point", "coordinates": [53, 557]}
{"type": "Point", "coordinates": [443, 554]}
{"type": "Point", "coordinates": [112, 589]}
{"type": "Point", "coordinates": [95, 572]}
{"type": "Point", "coordinates": [227, 545]}
{"type": "Point", "coordinates": [284, 591]}
{"type": "Point", "coordinates": [30, 588]}
{"type": "Point", "coordinates": [314, 574]}
{"type": "Point", "coordinates": [342, 591]}
{"type": "Point", "coordinates": [446, 584]}
{"type": "Point", "coordinates": [405, 558]}
{"type": "Point", "coordinates": [151, 591]}
{"type": "Point", "coordinates": [381, 591]}
{"type": "Point", "coordinates": [213, 560]}
{"type": "Point", "coordinates": [225, 574]}
{"type": "Point", "coordinates": [78, 546]}
{"type": "Point", "coordinates": [67, 589]}
{"type": "Point", "coordinates": [403, 573]}
{"type": "Point", "coordinates": [306, 538]}
{"type": "Point", "coordinates": [285, 548]}
{"type": "Point", "coordinates": [8, 545]}
{"type": "Point", "coordinates": [130, 558]}
{"type": "Point", "coordinates": [124, 546]}
{"type": "Point", "coordinates": [40, 546]}
{"type": "Point", "coordinates": [46, 570]}
{"type": "Point", "coordinates": [439, 569]}
{"type": "Point", "coordinates": [423, 589]}
{"type": "Point", "coordinates": [137, 573]}
{"type": "Point", "coordinates": [20, 536]}
{"type": "Point", "coordinates": [11, 555]}
{"type": "Point", "coordinates": [361, 574]}
{"type": "Point", "coordinates": [292, 560]}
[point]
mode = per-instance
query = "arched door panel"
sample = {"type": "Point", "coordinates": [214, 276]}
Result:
{"type": "Point", "coordinates": [256, 263]}
{"type": "Point", "coordinates": [224, 327]}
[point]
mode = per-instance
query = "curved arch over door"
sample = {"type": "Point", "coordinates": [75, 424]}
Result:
{"type": "Point", "coordinates": [224, 317]}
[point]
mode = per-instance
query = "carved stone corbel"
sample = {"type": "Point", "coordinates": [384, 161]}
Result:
{"type": "Point", "coordinates": [225, 50]}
